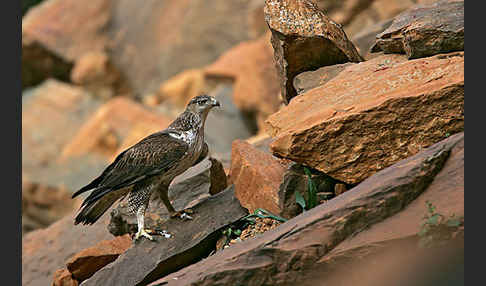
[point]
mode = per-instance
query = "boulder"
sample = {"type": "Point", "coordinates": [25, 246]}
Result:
{"type": "Point", "coordinates": [146, 261]}
{"type": "Point", "coordinates": [251, 65]}
{"type": "Point", "coordinates": [372, 115]}
{"type": "Point", "coordinates": [68, 28]}
{"type": "Point", "coordinates": [303, 39]}
{"type": "Point", "coordinates": [104, 132]}
{"type": "Point", "coordinates": [95, 72]}
{"type": "Point", "coordinates": [57, 32]}
{"type": "Point", "coordinates": [44, 251]}
{"type": "Point", "coordinates": [86, 262]}
{"type": "Point", "coordinates": [52, 114]}
{"type": "Point", "coordinates": [425, 30]}
{"type": "Point", "coordinates": [267, 182]}
{"type": "Point", "coordinates": [385, 209]}
{"type": "Point", "coordinates": [181, 88]}
{"type": "Point", "coordinates": [42, 205]}
{"type": "Point", "coordinates": [256, 176]}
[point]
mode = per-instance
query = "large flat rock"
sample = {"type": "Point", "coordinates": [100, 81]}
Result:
{"type": "Point", "coordinates": [317, 239]}
{"type": "Point", "coordinates": [372, 115]}
{"type": "Point", "coordinates": [191, 240]}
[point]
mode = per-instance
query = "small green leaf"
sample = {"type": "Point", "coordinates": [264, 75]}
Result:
{"type": "Point", "coordinates": [237, 232]}
{"type": "Point", "coordinates": [311, 190]}
{"type": "Point", "coordinates": [299, 199]}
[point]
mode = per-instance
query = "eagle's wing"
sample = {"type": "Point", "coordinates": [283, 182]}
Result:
{"type": "Point", "coordinates": [151, 156]}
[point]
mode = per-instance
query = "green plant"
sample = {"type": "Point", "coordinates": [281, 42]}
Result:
{"type": "Point", "coordinates": [437, 227]}
{"type": "Point", "coordinates": [311, 201]}
{"type": "Point", "coordinates": [234, 230]}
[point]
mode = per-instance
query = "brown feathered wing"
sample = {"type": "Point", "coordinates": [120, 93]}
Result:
{"type": "Point", "coordinates": [152, 156]}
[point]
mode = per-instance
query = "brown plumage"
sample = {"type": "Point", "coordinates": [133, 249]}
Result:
{"type": "Point", "coordinates": [150, 165]}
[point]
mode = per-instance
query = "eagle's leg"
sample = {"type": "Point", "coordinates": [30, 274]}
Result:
{"type": "Point", "coordinates": [138, 201]}
{"type": "Point", "coordinates": [140, 223]}
{"type": "Point", "coordinates": [164, 196]}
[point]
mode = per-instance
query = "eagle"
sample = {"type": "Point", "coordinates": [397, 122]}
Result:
{"type": "Point", "coordinates": [150, 166]}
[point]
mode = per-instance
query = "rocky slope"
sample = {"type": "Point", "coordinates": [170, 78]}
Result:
{"type": "Point", "coordinates": [337, 156]}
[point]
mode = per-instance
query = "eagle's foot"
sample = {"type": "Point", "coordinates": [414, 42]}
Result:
{"type": "Point", "coordinates": [184, 214]}
{"type": "Point", "coordinates": [144, 233]}
{"type": "Point", "coordinates": [163, 233]}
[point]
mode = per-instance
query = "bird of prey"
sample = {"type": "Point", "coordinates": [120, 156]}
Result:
{"type": "Point", "coordinates": [148, 166]}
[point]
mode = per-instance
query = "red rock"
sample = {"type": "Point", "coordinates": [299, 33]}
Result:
{"type": "Point", "coordinates": [86, 262]}
{"type": "Point", "coordinates": [63, 277]}
{"type": "Point", "coordinates": [181, 88]}
{"type": "Point", "coordinates": [50, 24]}
{"type": "Point", "coordinates": [251, 65]}
{"type": "Point", "coordinates": [264, 181]}
{"type": "Point", "coordinates": [384, 210]}
{"type": "Point", "coordinates": [52, 113]}
{"type": "Point", "coordinates": [57, 32]}
{"type": "Point", "coordinates": [105, 131]}
{"type": "Point", "coordinates": [257, 177]}
{"type": "Point", "coordinates": [372, 115]}
{"type": "Point", "coordinates": [46, 250]}
{"type": "Point", "coordinates": [96, 73]}
{"type": "Point", "coordinates": [303, 39]}
{"type": "Point", "coordinates": [42, 205]}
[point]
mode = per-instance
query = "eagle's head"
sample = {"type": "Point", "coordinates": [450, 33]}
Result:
{"type": "Point", "coordinates": [202, 104]}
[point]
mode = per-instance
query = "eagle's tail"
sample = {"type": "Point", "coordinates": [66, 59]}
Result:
{"type": "Point", "coordinates": [95, 183]}
{"type": "Point", "coordinates": [93, 208]}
